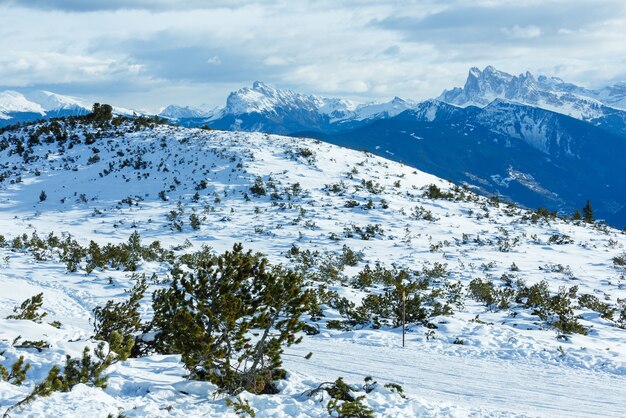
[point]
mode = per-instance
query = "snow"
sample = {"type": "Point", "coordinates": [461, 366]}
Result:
{"type": "Point", "coordinates": [509, 365]}
{"type": "Point", "coordinates": [495, 385]}
{"type": "Point", "coordinates": [614, 95]}
{"type": "Point", "coordinates": [337, 106]}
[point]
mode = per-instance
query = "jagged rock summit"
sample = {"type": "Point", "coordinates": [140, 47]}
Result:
{"type": "Point", "coordinates": [551, 93]}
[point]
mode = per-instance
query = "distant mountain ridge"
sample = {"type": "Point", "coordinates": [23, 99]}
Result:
{"type": "Point", "coordinates": [266, 108]}
{"type": "Point", "coordinates": [262, 107]}
{"type": "Point", "coordinates": [184, 112]}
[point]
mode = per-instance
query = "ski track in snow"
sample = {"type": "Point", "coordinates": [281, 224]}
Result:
{"type": "Point", "coordinates": [531, 388]}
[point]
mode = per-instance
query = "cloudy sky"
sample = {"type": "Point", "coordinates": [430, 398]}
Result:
{"type": "Point", "coordinates": [147, 54]}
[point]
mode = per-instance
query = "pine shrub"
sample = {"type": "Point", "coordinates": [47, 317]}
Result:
{"type": "Point", "coordinates": [28, 309]}
{"type": "Point", "coordinates": [556, 310]}
{"type": "Point", "coordinates": [17, 375]}
{"type": "Point", "coordinates": [118, 322]}
{"type": "Point", "coordinates": [241, 407]}
{"type": "Point", "coordinates": [258, 188]}
{"type": "Point", "coordinates": [434, 192]}
{"type": "Point", "coordinates": [86, 370]}
{"type": "Point", "coordinates": [342, 403]}
{"type": "Point", "coordinates": [588, 216]}
{"type": "Point", "coordinates": [491, 296]}
{"type": "Point", "coordinates": [592, 302]}
{"type": "Point", "coordinates": [229, 316]}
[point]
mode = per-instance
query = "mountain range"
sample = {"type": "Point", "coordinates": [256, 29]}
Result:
{"type": "Point", "coordinates": [538, 141]}
{"type": "Point", "coordinates": [265, 108]}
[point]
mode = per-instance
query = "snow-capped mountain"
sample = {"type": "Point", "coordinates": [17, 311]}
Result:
{"type": "Point", "coordinates": [369, 111]}
{"type": "Point", "coordinates": [16, 107]}
{"type": "Point", "coordinates": [265, 108]}
{"type": "Point", "coordinates": [263, 98]}
{"type": "Point", "coordinates": [431, 110]}
{"type": "Point", "coordinates": [614, 96]}
{"type": "Point", "coordinates": [14, 102]}
{"type": "Point", "coordinates": [483, 87]}
{"type": "Point", "coordinates": [51, 102]}
{"type": "Point", "coordinates": [39, 101]}
{"type": "Point", "coordinates": [603, 108]}
{"type": "Point", "coordinates": [184, 112]}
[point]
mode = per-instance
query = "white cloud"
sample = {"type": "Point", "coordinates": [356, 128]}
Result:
{"type": "Point", "coordinates": [275, 61]}
{"type": "Point", "coordinates": [522, 32]}
{"type": "Point", "coordinates": [214, 60]}
{"type": "Point", "coordinates": [157, 53]}
{"type": "Point", "coordinates": [26, 68]}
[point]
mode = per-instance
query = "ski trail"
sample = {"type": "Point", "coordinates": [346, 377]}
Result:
{"type": "Point", "coordinates": [528, 387]}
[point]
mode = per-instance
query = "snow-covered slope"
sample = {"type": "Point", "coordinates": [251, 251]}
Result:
{"type": "Point", "coordinates": [541, 130]}
{"type": "Point", "coordinates": [551, 93]}
{"type": "Point", "coordinates": [102, 185]}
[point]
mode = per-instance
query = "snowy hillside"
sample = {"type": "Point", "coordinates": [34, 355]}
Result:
{"type": "Point", "coordinates": [511, 312]}
{"type": "Point", "coordinates": [534, 157]}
